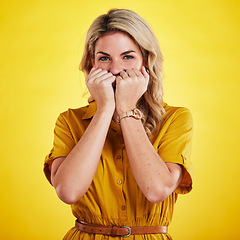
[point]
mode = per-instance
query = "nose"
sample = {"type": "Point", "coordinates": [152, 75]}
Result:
{"type": "Point", "coordinates": [116, 67]}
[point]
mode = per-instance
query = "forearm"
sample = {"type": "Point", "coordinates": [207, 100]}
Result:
{"type": "Point", "coordinates": [74, 175]}
{"type": "Point", "coordinates": [152, 174]}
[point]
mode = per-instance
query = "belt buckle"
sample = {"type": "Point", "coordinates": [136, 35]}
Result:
{"type": "Point", "coordinates": [129, 231]}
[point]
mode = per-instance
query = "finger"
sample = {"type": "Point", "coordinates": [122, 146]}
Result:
{"type": "Point", "coordinates": [118, 78]}
{"type": "Point", "coordinates": [97, 75]}
{"type": "Point", "coordinates": [137, 73]}
{"type": "Point", "coordinates": [92, 70]}
{"type": "Point", "coordinates": [146, 75]}
{"type": "Point", "coordinates": [113, 80]}
{"type": "Point", "coordinates": [123, 74]}
{"type": "Point", "coordinates": [98, 72]}
{"type": "Point", "coordinates": [104, 77]}
{"type": "Point", "coordinates": [144, 72]}
{"type": "Point", "coordinates": [130, 72]}
{"type": "Point", "coordinates": [109, 82]}
{"type": "Point", "coordinates": [134, 73]}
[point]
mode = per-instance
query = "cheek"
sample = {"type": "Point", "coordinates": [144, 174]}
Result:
{"type": "Point", "coordinates": [95, 63]}
{"type": "Point", "coordinates": [101, 65]}
{"type": "Point", "coordinates": [137, 65]}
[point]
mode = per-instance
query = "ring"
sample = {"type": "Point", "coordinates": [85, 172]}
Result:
{"type": "Point", "coordinates": [124, 74]}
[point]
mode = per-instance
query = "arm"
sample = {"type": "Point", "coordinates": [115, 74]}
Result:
{"type": "Point", "coordinates": [72, 176]}
{"type": "Point", "coordinates": [156, 179]}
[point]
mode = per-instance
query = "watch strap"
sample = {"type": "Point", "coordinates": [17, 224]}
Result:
{"type": "Point", "coordinates": [131, 113]}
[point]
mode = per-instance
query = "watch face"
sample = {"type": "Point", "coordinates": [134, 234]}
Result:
{"type": "Point", "coordinates": [137, 113]}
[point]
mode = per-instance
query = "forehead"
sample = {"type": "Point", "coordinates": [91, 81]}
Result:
{"type": "Point", "coordinates": [116, 40]}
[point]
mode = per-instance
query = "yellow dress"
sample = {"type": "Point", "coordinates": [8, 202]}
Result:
{"type": "Point", "coordinates": [114, 197]}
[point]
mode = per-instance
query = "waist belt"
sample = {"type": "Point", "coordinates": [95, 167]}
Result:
{"type": "Point", "coordinates": [123, 231]}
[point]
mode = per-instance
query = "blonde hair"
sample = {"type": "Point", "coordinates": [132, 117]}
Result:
{"type": "Point", "coordinates": [131, 23]}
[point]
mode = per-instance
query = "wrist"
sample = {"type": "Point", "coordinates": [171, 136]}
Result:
{"type": "Point", "coordinates": [123, 109]}
{"type": "Point", "coordinates": [107, 110]}
{"type": "Point", "coordinates": [134, 113]}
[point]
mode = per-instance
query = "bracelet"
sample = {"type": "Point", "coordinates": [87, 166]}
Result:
{"type": "Point", "coordinates": [135, 113]}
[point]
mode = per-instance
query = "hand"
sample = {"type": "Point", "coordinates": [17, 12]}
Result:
{"type": "Point", "coordinates": [130, 86]}
{"type": "Point", "coordinates": [99, 83]}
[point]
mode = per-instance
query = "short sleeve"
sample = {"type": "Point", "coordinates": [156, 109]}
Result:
{"type": "Point", "coordinates": [63, 143]}
{"type": "Point", "coordinates": [176, 143]}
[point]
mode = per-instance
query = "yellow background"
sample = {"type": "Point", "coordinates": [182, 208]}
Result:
{"type": "Point", "coordinates": [41, 44]}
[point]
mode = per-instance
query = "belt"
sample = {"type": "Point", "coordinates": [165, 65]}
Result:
{"type": "Point", "coordinates": [123, 231]}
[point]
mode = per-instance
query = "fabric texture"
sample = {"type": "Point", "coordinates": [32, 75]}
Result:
{"type": "Point", "coordinates": [114, 197]}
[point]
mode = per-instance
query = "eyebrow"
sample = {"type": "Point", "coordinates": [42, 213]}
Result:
{"type": "Point", "coordinates": [124, 53]}
{"type": "Point", "coordinates": [127, 52]}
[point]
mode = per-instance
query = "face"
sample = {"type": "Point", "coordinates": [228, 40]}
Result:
{"type": "Point", "coordinates": [116, 52]}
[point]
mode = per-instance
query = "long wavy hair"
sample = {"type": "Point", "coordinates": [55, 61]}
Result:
{"type": "Point", "coordinates": [129, 22]}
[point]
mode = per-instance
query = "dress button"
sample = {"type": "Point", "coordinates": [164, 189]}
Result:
{"type": "Point", "coordinates": [123, 207]}
{"type": "Point", "coordinates": [119, 156]}
{"type": "Point", "coordinates": [119, 181]}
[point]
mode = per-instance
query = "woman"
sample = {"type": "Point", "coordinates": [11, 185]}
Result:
{"type": "Point", "coordinates": [122, 160]}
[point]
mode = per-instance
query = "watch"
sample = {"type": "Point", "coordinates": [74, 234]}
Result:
{"type": "Point", "coordinates": [135, 113]}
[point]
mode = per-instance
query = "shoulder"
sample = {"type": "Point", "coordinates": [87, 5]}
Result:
{"type": "Point", "coordinates": [82, 113]}
{"type": "Point", "coordinates": [74, 112]}
{"type": "Point", "coordinates": [72, 117]}
{"type": "Point", "coordinates": [173, 113]}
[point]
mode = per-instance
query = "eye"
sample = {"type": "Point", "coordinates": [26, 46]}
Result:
{"type": "Point", "coordinates": [128, 57]}
{"type": "Point", "coordinates": [103, 59]}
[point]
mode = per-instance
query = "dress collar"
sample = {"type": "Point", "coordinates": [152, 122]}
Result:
{"type": "Point", "coordinates": [92, 108]}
